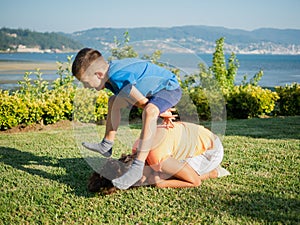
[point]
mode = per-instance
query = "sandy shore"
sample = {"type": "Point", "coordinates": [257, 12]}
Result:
{"type": "Point", "coordinates": [12, 72]}
{"type": "Point", "coordinates": [5, 67]}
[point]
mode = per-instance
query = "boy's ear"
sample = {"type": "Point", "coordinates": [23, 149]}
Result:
{"type": "Point", "coordinates": [99, 74]}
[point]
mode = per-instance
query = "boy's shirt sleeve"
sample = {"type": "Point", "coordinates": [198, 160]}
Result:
{"type": "Point", "coordinates": [121, 83]}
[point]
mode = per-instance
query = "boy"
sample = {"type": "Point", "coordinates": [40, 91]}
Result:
{"type": "Point", "coordinates": [133, 81]}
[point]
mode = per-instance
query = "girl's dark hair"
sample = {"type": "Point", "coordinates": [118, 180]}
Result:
{"type": "Point", "coordinates": [101, 182]}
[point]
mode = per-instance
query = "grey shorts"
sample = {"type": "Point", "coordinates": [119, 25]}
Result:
{"type": "Point", "coordinates": [166, 99]}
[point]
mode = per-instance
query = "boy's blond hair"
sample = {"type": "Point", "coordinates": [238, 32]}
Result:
{"type": "Point", "coordinates": [84, 58]}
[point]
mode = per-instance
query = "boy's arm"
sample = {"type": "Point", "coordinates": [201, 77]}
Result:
{"type": "Point", "coordinates": [137, 98]}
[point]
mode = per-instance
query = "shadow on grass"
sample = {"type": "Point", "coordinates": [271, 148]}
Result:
{"type": "Point", "coordinates": [269, 128]}
{"type": "Point", "coordinates": [263, 207]}
{"type": "Point", "coordinates": [76, 172]}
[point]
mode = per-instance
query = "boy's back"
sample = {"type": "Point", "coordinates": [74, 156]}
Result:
{"type": "Point", "coordinates": [147, 77]}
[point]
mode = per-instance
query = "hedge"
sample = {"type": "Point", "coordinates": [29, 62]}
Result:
{"type": "Point", "coordinates": [250, 101]}
{"type": "Point", "coordinates": [68, 103]}
{"type": "Point", "coordinates": [289, 100]}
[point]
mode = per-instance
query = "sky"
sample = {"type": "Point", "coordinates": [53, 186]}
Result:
{"type": "Point", "coordinates": [77, 15]}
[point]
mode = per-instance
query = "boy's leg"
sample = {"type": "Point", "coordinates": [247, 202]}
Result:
{"type": "Point", "coordinates": [115, 103]}
{"type": "Point", "coordinates": [135, 172]}
{"type": "Point", "coordinates": [149, 117]}
{"type": "Point", "coordinates": [157, 104]}
{"type": "Point", "coordinates": [112, 123]}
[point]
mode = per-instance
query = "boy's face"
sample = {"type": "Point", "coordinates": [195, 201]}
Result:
{"type": "Point", "coordinates": [92, 81]}
{"type": "Point", "coordinates": [93, 77]}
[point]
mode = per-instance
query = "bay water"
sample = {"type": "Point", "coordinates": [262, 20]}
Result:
{"type": "Point", "coordinates": [279, 70]}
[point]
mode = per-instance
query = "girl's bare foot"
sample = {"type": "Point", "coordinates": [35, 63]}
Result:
{"type": "Point", "coordinates": [213, 174]}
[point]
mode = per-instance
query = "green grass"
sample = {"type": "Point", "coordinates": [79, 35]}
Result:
{"type": "Point", "coordinates": [44, 176]}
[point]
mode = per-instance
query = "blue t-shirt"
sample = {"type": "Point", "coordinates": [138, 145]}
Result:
{"type": "Point", "coordinates": [147, 77]}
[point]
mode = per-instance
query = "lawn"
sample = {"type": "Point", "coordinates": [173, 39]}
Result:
{"type": "Point", "coordinates": [44, 177]}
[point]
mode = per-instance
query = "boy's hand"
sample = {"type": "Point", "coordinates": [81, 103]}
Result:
{"type": "Point", "coordinates": [168, 118]}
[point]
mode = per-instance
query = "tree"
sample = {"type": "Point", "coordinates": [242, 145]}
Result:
{"type": "Point", "coordinates": [224, 74]}
{"type": "Point", "coordinates": [123, 50]}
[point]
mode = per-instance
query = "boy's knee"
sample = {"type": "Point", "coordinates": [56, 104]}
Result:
{"type": "Point", "coordinates": [151, 110]}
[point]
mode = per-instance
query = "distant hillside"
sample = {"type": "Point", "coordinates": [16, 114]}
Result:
{"type": "Point", "coordinates": [19, 40]}
{"type": "Point", "coordinates": [200, 38]}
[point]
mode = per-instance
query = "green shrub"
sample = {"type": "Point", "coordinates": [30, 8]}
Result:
{"type": "Point", "coordinates": [289, 100]}
{"type": "Point", "coordinates": [9, 110]}
{"type": "Point", "coordinates": [54, 105]}
{"type": "Point", "coordinates": [201, 102]}
{"type": "Point", "coordinates": [58, 105]}
{"type": "Point", "coordinates": [250, 101]}
{"type": "Point", "coordinates": [18, 109]}
{"type": "Point", "coordinates": [33, 112]}
{"type": "Point", "coordinates": [101, 107]}
{"type": "Point", "coordinates": [58, 101]}
{"type": "Point", "coordinates": [210, 104]}
{"type": "Point", "coordinates": [48, 105]}
{"type": "Point", "coordinates": [36, 102]}
{"type": "Point", "coordinates": [90, 105]}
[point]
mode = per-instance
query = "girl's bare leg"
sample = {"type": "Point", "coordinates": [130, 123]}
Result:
{"type": "Point", "coordinates": [185, 176]}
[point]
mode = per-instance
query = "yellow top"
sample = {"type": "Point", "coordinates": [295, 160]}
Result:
{"type": "Point", "coordinates": [183, 141]}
